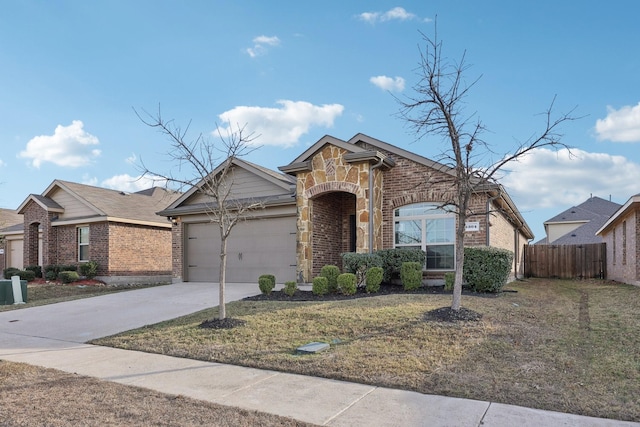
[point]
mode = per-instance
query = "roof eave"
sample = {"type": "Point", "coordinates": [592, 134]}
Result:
{"type": "Point", "coordinates": [620, 212]}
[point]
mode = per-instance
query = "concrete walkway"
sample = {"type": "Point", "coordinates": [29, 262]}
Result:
{"type": "Point", "coordinates": [53, 336]}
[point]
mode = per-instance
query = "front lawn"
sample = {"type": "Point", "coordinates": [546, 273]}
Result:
{"type": "Point", "coordinates": [570, 346]}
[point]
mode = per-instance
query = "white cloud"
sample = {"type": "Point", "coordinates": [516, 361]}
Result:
{"type": "Point", "coordinates": [89, 180]}
{"type": "Point", "coordinates": [2, 163]}
{"type": "Point", "coordinates": [281, 126]}
{"type": "Point", "coordinates": [131, 159]}
{"type": "Point", "coordinates": [260, 45]}
{"type": "Point", "coordinates": [397, 13]}
{"type": "Point", "coordinates": [545, 178]}
{"type": "Point", "coordinates": [131, 184]}
{"type": "Point", "coordinates": [69, 146]}
{"type": "Point", "coordinates": [388, 83]}
{"type": "Point", "coordinates": [621, 125]}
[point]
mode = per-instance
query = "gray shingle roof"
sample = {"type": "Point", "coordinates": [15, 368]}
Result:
{"type": "Point", "coordinates": [595, 211]}
{"type": "Point", "coordinates": [594, 207]}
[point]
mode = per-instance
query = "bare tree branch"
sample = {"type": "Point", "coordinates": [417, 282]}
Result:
{"type": "Point", "coordinates": [200, 166]}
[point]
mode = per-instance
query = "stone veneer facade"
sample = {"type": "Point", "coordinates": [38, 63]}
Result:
{"type": "Point", "coordinates": [331, 174]}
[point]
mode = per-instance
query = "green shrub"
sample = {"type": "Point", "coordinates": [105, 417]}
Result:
{"type": "Point", "coordinates": [449, 280]}
{"type": "Point", "coordinates": [27, 275]}
{"type": "Point", "coordinates": [89, 269]}
{"type": "Point", "coordinates": [68, 276]}
{"type": "Point", "coordinates": [411, 275]}
{"type": "Point", "coordinates": [37, 270]}
{"type": "Point", "coordinates": [347, 283]}
{"type": "Point", "coordinates": [392, 260]}
{"type": "Point", "coordinates": [290, 288]}
{"type": "Point", "coordinates": [52, 271]}
{"type": "Point", "coordinates": [68, 267]}
{"type": "Point", "coordinates": [320, 285]}
{"type": "Point", "coordinates": [331, 272]}
{"type": "Point", "coordinates": [266, 283]}
{"type": "Point", "coordinates": [358, 264]}
{"type": "Point", "coordinates": [10, 271]}
{"type": "Point", "coordinates": [373, 279]}
{"type": "Point", "coordinates": [486, 269]}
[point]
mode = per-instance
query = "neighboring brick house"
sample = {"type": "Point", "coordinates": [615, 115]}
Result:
{"type": "Point", "coordinates": [71, 223]}
{"type": "Point", "coordinates": [578, 224]}
{"type": "Point", "coordinates": [621, 233]}
{"type": "Point", "coordinates": [340, 196]}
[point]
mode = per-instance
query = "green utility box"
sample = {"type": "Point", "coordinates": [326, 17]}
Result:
{"type": "Point", "coordinates": [6, 292]}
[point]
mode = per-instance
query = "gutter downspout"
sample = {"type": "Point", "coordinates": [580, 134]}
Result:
{"type": "Point", "coordinates": [371, 195]}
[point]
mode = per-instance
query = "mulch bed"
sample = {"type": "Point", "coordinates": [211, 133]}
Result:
{"type": "Point", "coordinates": [82, 282]}
{"type": "Point", "coordinates": [385, 289]}
{"type": "Point", "coordinates": [444, 314]}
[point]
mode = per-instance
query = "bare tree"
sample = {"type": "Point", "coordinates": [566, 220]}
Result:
{"type": "Point", "coordinates": [209, 177]}
{"type": "Point", "coordinates": [437, 108]}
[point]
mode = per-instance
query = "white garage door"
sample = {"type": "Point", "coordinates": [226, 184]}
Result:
{"type": "Point", "coordinates": [15, 254]}
{"type": "Point", "coordinates": [255, 247]}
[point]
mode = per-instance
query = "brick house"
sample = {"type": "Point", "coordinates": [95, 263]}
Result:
{"type": "Point", "coordinates": [71, 223]}
{"type": "Point", "coordinates": [340, 196]}
{"type": "Point", "coordinates": [621, 233]}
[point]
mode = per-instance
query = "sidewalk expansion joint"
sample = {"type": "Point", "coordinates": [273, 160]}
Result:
{"type": "Point", "coordinates": [349, 406]}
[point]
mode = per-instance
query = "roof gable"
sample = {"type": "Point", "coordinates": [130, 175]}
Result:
{"type": "Point", "coordinates": [362, 139]}
{"type": "Point", "coordinates": [255, 182]}
{"type": "Point", "coordinates": [327, 139]}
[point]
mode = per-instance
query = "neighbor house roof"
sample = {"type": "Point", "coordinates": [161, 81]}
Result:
{"type": "Point", "coordinates": [633, 202]}
{"type": "Point", "coordinates": [105, 204]}
{"type": "Point", "coordinates": [591, 215]}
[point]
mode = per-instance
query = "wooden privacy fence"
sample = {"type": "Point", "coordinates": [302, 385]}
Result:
{"type": "Point", "coordinates": [566, 261]}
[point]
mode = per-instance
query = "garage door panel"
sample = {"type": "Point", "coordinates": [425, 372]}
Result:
{"type": "Point", "coordinates": [254, 247]}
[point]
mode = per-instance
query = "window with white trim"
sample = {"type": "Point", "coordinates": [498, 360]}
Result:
{"type": "Point", "coordinates": [83, 243]}
{"type": "Point", "coordinates": [428, 227]}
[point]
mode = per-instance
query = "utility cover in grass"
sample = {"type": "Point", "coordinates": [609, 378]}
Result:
{"type": "Point", "coordinates": [312, 347]}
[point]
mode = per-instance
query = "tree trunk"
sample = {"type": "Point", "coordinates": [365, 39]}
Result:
{"type": "Point", "coordinates": [457, 284]}
{"type": "Point", "coordinates": [460, 226]}
{"type": "Point", "coordinates": [222, 279]}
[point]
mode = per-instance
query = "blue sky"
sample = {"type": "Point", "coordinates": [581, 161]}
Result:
{"type": "Point", "coordinates": [71, 73]}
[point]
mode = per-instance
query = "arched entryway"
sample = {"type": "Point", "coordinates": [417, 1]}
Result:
{"type": "Point", "coordinates": [334, 228]}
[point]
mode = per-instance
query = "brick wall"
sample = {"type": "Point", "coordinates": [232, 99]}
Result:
{"type": "Point", "coordinates": [627, 271]}
{"type": "Point", "coordinates": [139, 251]}
{"type": "Point", "coordinates": [67, 245]}
{"type": "Point", "coordinates": [177, 253]}
{"type": "Point", "coordinates": [330, 222]}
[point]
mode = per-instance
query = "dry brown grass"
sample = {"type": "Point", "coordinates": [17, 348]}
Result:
{"type": "Point", "coordinates": [569, 346]}
{"type": "Point", "coordinates": [31, 396]}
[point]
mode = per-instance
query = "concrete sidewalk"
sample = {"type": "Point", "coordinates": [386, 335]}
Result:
{"type": "Point", "coordinates": [53, 336]}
